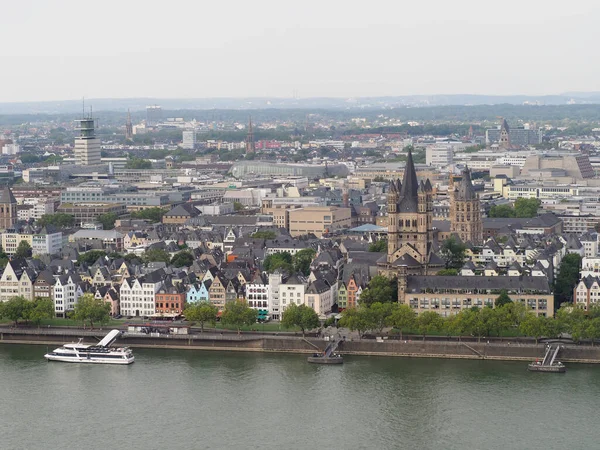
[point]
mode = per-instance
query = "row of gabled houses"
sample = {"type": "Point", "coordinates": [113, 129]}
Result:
{"type": "Point", "coordinates": [158, 289]}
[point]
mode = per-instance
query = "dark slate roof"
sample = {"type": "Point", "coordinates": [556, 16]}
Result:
{"type": "Point", "coordinates": [184, 210]}
{"type": "Point", "coordinates": [406, 260]}
{"type": "Point", "coordinates": [417, 284]}
{"type": "Point", "coordinates": [436, 260]}
{"type": "Point", "coordinates": [442, 225]}
{"type": "Point", "coordinates": [465, 187]}
{"type": "Point", "coordinates": [7, 197]}
{"type": "Point", "coordinates": [409, 200]}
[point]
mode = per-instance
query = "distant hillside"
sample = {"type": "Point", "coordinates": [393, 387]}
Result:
{"type": "Point", "coordinates": [138, 104]}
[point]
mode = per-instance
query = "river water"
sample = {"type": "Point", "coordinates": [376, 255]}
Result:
{"type": "Point", "coordinates": [170, 399]}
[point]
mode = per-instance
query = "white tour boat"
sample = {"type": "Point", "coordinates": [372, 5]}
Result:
{"type": "Point", "coordinates": [101, 353]}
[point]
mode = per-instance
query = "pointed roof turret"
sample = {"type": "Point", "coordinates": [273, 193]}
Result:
{"type": "Point", "coordinates": [7, 197]}
{"type": "Point", "coordinates": [465, 188]}
{"type": "Point", "coordinates": [410, 187]}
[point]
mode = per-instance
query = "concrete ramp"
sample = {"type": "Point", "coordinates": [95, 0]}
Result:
{"type": "Point", "coordinates": [109, 338]}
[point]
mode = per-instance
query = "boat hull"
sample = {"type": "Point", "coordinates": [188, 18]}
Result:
{"type": "Point", "coordinates": [86, 360]}
{"type": "Point", "coordinates": [324, 360]}
{"type": "Point", "coordinates": [549, 369]}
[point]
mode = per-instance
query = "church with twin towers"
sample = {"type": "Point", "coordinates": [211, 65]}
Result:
{"type": "Point", "coordinates": [412, 239]}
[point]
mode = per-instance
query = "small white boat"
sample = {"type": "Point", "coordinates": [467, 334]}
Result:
{"type": "Point", "coordinates": [100, 353]}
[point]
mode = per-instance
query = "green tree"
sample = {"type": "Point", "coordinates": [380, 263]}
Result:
{"type": "Point", "coordinates": [403, 318]}
{"type": "Point", "coordinates": [447, 272]}
{"type": "Point", "coordinates": [379, 246]}
{"type": "Point", "coordinates": [381, 314]}
{"type": "Point", "coordinates": [429, 322]}
{"type": "Point", "coordinates": [157, 255]}
{"type": "Point", "coordinates": [154, 215]}
{"type": "Point", "coordinates": [3, 258]}
{"type": "Point", "coordinates": [23, 250]}
{"type": "Point", "coordinates": [380, 289]}
{"type": "Point", "coordinates": [202, 312]}
{"type": "Point", "coordinates": [502, 299]}
{"type": "Point", "coordinates": [276, 261]}
{"type": "Point", "coordinates": [592, 330]}
{"type": "Point", "coordinates": [483, 322]}
{"type": "Point", "coordinates": [90, 257]}
{"type": "Point", "coordinates": [534, 326]}
{"type": "Point", "coordinates": [356, 319]}
{"type": "Point", "coordinates": [107, 220]}
{"type": "Point", "coordinates": [567, 278]}
{"type": "Point", "coordinates": [15, 309]}
{"type": "Point", "coordinates": [59, 220]}
{"type": "Point", "coordinates": [461, 324]}
{"type": "Point", "coordinates": [92, 310]}
{"type": "Point", "coordinates": [302, 260]}
{"type": "Point", "coordinates": [237, 206]}
{"type": "Point", "coordinates": [502, 211]}
{"type": "Point", "coordinates": [572, 320]}
{"type": "Point", "coordinates": [40, 309]}
{"type": "Point", "coordinates": [527, 207]}
{"type": "Point", "coordinates": [303, 317]}
{"type": "Point", "coordinates": [138, 163]}
{"type": "Point", "coordinates": [182, 259]}
{"type": "Point", "coordinates": [238, 314]}
{"type": "Point", "coordinates": [453, 252]}
{"type": "Point", "coordinates": [264, 235]}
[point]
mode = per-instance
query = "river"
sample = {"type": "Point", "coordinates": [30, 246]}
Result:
{"type": "Point", "coordinates": [170, 399]}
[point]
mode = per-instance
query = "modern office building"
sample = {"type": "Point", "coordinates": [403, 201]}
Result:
{"type": "Point", "coordinates": [153, 115]}
{"type": "Point", "coordinates": [513, 136]}
{"type": "Point", "coordinates": [87, 145]}
{"type": "Point", "coordinates": [318, 220]}
{"type": "Point", "coordinates": [189, 140]}
{"type": "Point", "coordinates": [439, 155]}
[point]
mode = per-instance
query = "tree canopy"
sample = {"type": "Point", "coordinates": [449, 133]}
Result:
{"type": "Point", "coordinates": [157, 255]}
{"type": "Point", "coordinates": [264, 235]}
{"type": "Point", "coordinates": [154, 215]}
{"type": "Point", "coordinates": [502, 299]}
{"type": "Point", "coordinates": [379, 246]}
{"type": "Point", "coordinates": [23, 250]}
{"type": "Point", "coordinates": [276, 261]}
{"type": "Point", "coordinates": [107, 220]}
{"type": "Point", "coordinates": [59, 220]}
{"type": "Point", "coordinates": [138, 163]}
{"type": "Point", "coordinates": [238, 314]}
{"type": "Point", "coordinates": [523, 208]}
{"type": "Point", "coordinates": [453, 252]}
{"type": "Point", "coordinates": [380, 289]}
{"type": "Point", "coordinates": [301, 260]}
{"type": "Point", "coordinates": [301, 316]}
{"type": "Point", "coordinates": [92, 310]}
{"type": "Point", "coordinates": [182, 259]}
{"type": "Point", "coordinates": [567, 278]}
{"type": "Point", "coordinates": [90, 257]}
{"type": "Point", "coordinates": [202, 312]}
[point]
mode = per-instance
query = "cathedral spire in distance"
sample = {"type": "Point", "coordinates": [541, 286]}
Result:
{"type": "Point", "coordinates": [410, 187]}
{"type": "Point", "coordinates": [128, 127]}
{"type": "Point", "coordinates": [250, 147]}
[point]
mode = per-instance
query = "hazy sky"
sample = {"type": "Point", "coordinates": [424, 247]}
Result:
{"type": "Point", "coordinates": [63, 49]}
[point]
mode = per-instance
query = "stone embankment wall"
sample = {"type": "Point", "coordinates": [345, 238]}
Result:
{"type": "Point", "coordinates": [294, 344]}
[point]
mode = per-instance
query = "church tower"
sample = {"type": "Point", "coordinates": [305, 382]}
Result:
{"type": "Point", "coordinates": [504, 135]}
{"type": "Point", "coordinates": [410, 228]}
{"type": "Point", "coordinates": [465, 211]}
{"type": "Point", "coordinates": [250, 147]}
{"type": "Point", "coordinates": [128, 128]}
{"type": "Point", "coordinates": [8, 209]}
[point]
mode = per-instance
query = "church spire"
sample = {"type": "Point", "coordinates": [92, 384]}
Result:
{"type": "Point", "coordinates": [410, 185]}
{"type": "Point", "coordinates": [465, 188]}
{"type": "Point", "coordinates": [250, 147]}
